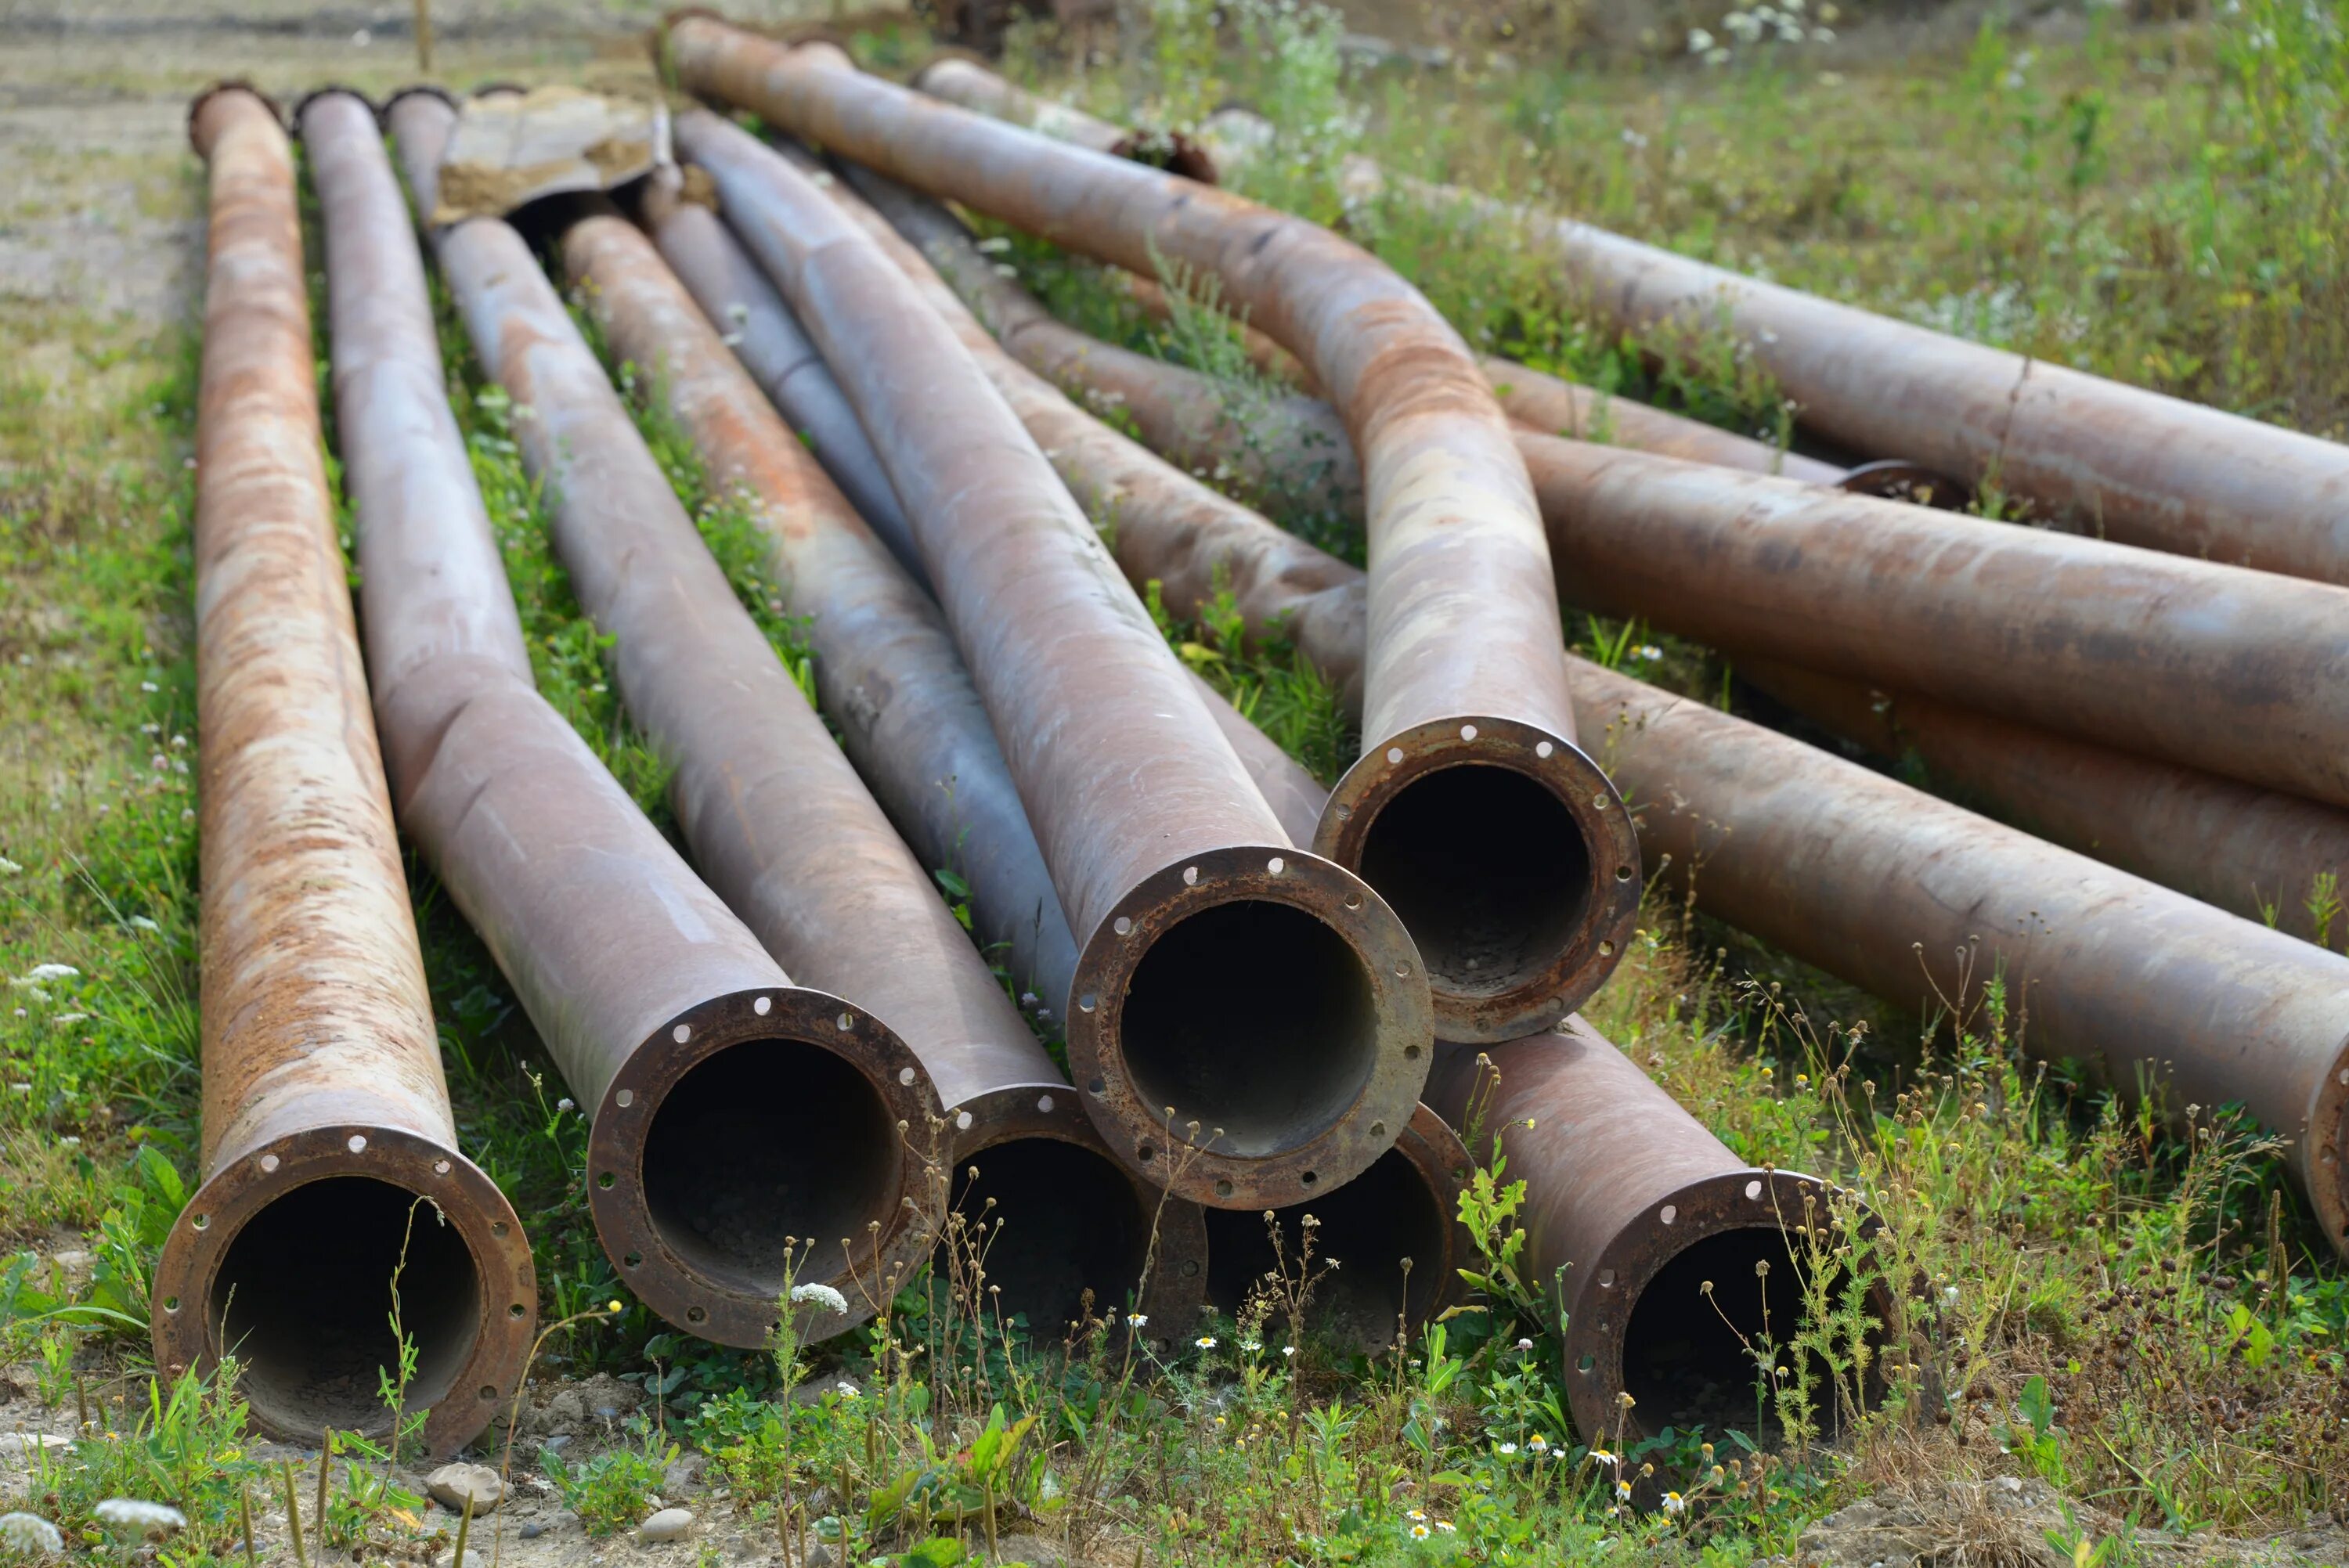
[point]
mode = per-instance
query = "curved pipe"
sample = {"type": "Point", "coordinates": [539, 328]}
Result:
{"type": "Point", "coordinates": [326, 1127]}
{"type": "Point", "coordinates": [2117, 460]}
{"type": "Point", "coordinates": [1231, 993]}
{"type": "Point", "coordinates": [2237, 673]}
{"type": "Point", "coordinates": [1860, 876]}
{"type": "Point", "coordinates": [2249, 850]}
{"type": "Point", "coordinates": [664, 1014]}
{"type": "Point", "coordinates": [1464, 697]}
{"type": "Point", "coordinates": [787, 831]}
{"type": "Point", "coordinates": [1646, 1232]}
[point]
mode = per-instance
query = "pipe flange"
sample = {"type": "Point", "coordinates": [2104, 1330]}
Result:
{"type": "Point", "coordinates": [1531, 997]}
{"type": "Point", "coordinates": [473, 1394]}
{"type": "Point", "coordinates": [732, 1307]}
{"type": "Point", "coordinates": [1151, 1130]}
{"type": "Point", "coordinates": [1176, 1284]}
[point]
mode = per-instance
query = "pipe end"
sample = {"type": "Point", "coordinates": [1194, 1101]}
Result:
{"type": "Point", "coordinates": [1674, 1309]}
{"type": "Point", "coordinates": [1509, 856]}
{"type": "Point", "coordinates": [333, 90]}
{"type": "Point", "coordinates": [1077, 1219]}
{"type": "Point", "coordinates": [767, 1134]}
{"type": "Point", "coordinates": [286, 1256]}
{"type": "Point", "coordinates": [1250, 1027]}
{"type": "Point", "coordinates": [219, 92]}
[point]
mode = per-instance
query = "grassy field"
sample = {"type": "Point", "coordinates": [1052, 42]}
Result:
{"type": "Point", "coordinates": [2124, 1342]}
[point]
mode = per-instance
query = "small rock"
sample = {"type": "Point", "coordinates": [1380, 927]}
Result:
{"type": "Point", "coordinates": [533, 1531]}
{"type": "Point", "coordinates": [22, 1445]}
{"type": "Point", "coordinates": [451, 1484]}
{"type": "Point", "coordinates": [447, 1558]}
{"type": "Point", "coordinates": [819, 1555]}
{"type": "Point", "coordinates": [681, 1477]}
{"type": "Point", "coordinates": [668, 1524]}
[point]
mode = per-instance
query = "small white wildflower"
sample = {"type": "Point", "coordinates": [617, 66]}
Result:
{"type": "Point", "coordinates": [147, 1518]}
{"type": "Point", "coordinates": [1700, 41]}
{"type": "Point", "coordinates": [823, 1296]}
{"type": "Point", "coordinates": [1418, 1532]}
{"type": "Point", "coordinates": [1602, 1457]}
{"type": "Point", "coordinates": [1717, 56]}
{"type": "Point", "coordinates": [1251, 1346]}
{"type": "Point", "coordinates": [1205, 1342]}
{"type": "Point", "coordinates": [69, 1141]}
{"type": "Point", "coordinates": [1027, 998]}
{"type": "Point", "coordinates": [62, 1019]}
{"type": "Point", "coordinates": [1674, 1502]}
{"type": "Point", "coordinates": [1648, 651]}
{"type": "Point", "coordinates": [1633, 139]}
{"type": "Point", "coordinates": [140, 922]}
{"type": "Point", "coordinates": [40, 972]}
{"type": "Point", "coordinates": [1525, 1345]}
{"type": "Point", "coordinates": [149, 687]}
{"type": "Point", "coordinates": [30, 1532]}
{"type": "Point", "coordinates": [150, 728]}
{"type": "Point", "coordinates": [995, 246]}
{"type": "Point", "coordinates": [1537, 1443]}
{"type": "Point", "coordinates": [565, 1104]}
{"type": "Point", "coordinates": [1415, 1515]}
{"type": "Point", "coordinates": [1447, 1528]}
{"type": "Point", "coordinates": [1289, 1350]}
{"type": "Point", "coordinates": [178, 741]}
{"type": "Point", "coordinates": [8, 868]}
{"type": "Point", "coordinates": [1622, 1489]}
{"type": "Point", "coordinates": [1138, 1319]}
{"type": "Point", "coordinates": [1949, 1295]}
{"type": "Point", "coordinates": [1505, 1449]}
{"type": "Point", "coordinates": [847, 1390]}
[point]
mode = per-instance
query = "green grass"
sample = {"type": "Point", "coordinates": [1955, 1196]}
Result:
{"type": "Point", "coordinates": [2142, 1319]}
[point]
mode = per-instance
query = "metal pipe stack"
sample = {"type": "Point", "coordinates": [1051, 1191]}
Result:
{"type": "Point", "coordinates": [1295, 1011]}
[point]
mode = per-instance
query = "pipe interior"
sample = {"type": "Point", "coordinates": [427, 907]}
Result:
{"type": "Point", "coordinates": [1487, 870]}
{"type": "Point", "coordinates": [1255, 1017]}
{"type": "Point", "coordinates": [1693, 1362]}
{"type": "Point", "coordinates": [1064, 1221]}
{"type": "Point", "coordinates": [763, 1141]}
{"type": "Point", "coordinates": [1368, 1227]}
{"type": "Point", "coordinates": [304, 1299]}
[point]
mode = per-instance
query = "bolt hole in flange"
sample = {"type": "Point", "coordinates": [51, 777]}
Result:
{"type": "Point", "coordinates": [1253, 1016]}
{"type": "Point", "coordinates": [762, 1140]}
{"type": "Point", "coordinates": [1488, 870]}
{"type": "Point", "coordinates": [303, 1294]}
{"type": "Point", "coordinates": [1065, 1220]}
{"type": "Point", "coordinates": [1368, 1227]}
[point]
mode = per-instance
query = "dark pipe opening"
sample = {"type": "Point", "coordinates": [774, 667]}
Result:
{"type": "Point", "coordinates": [303, 1300]}
{"type": "Point", "coordinates": [1064, 1221]}
{"type": "Point", "coordinates": [1488, 871]}
{"type": "Point", "coordinates": [761, 1142]}
{"type": "Point", "coordinates": [1368, 1227]}
{"type": "Point", "coordinates": [1696, 1361]}
{"type": "Point", "coordinates": [1254, 1017]}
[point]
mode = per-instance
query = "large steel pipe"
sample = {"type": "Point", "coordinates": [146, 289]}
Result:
{"type": "Point", "coordinates": [1924, 902]}
{"type": "Point", "coordinates": [730, 1108]}
{"type": "Point", "coordinates": [2237, 673]}
{"type": "Point", "coordinates": [2262, 855]}
{"type": "Point", "coordinates": [1227, 981]}
{"type": "Point", "coordinates": [1650, 1236]}
{"type": "Point", "coordinates": [2103, 457]}
{"type": "Point", "coordinates": [788, 833]}
{"type": "Point", "coordinates": [1496, 839]}
{"type": "Point", "coordinates": [335, 1196]}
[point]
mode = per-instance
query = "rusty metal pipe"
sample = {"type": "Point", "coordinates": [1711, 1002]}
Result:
{"type": "Point", "coordinates": [1644, 1231]}
{"type": "Point", "coordinates": [764, 335]}
{"type": "Point", "coordinates": [335, 1192]}
{"type": "Point", "coordinates": [2237, 673]}
{"type": "Point", "coordinates": [2112, 459]}
{"type": "Point", "coordinates": [959, 79]}
{"type": "Point", "coordinates": [786, 829]}
{"type": "Point", "coordinates": [2253, 851]}
{"type": "Point", "coordinates": [1471, 808]}
{"type": "Point", "coordinates": [712, 1079]}
{"type": "Point", "coordinates": [1261, 993]}
{"type": "Point", "coordinates": [1923, 902]}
